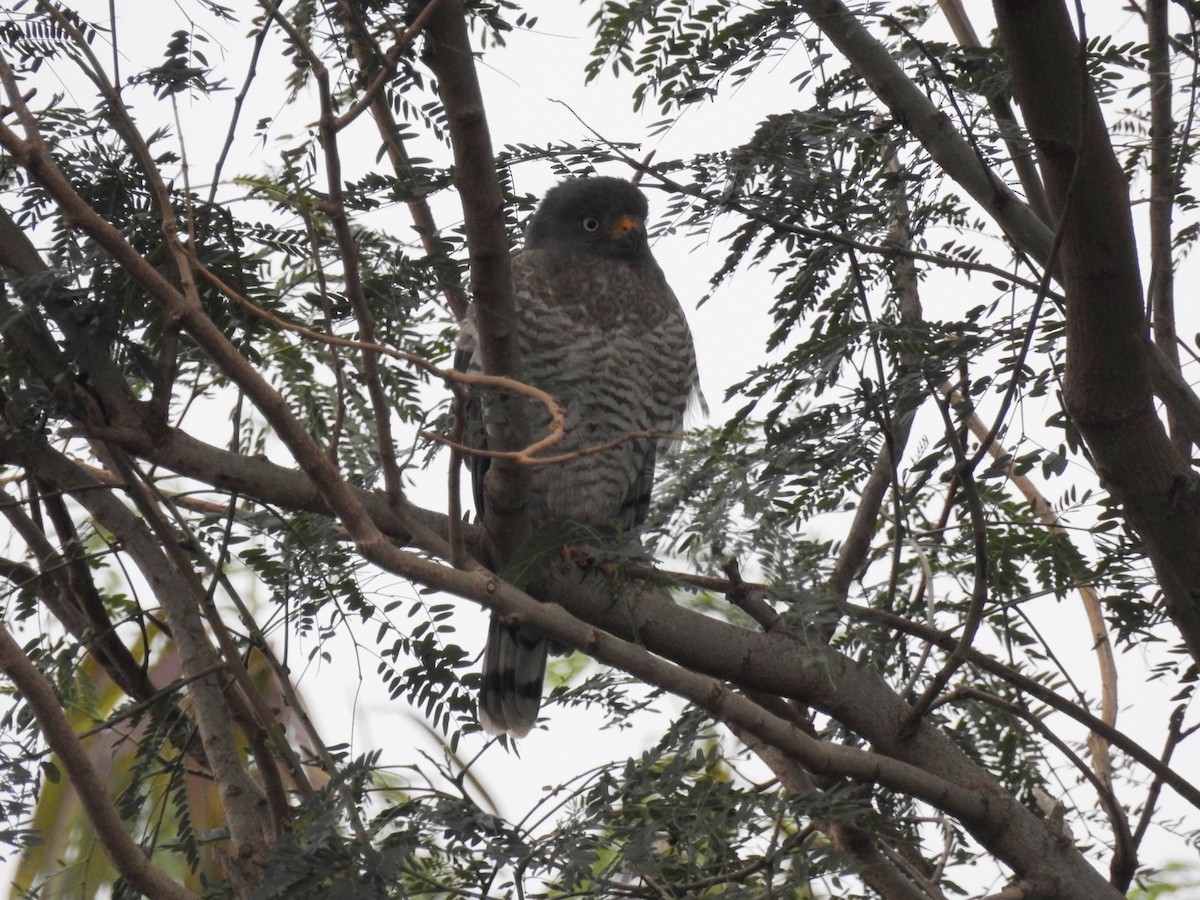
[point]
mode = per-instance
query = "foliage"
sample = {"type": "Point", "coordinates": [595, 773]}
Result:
{"type": "Point", "coordinates": [901, 317]}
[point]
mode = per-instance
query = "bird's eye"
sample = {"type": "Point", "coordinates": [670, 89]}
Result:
{"type": "Point", "coordinates": [590, 223]}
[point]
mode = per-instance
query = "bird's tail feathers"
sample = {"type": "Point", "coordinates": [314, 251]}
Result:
{"type": "Point", "coordinates": [514, 669]}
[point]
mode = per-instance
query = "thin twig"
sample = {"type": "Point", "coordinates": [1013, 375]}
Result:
{"type": "Point", "coordinates": [1087, 594]}
{"type": "Point", "coordinates": [238, 101]}
{"type": "Point", "coordinates": [335, 210]}
{"type": "Point", "coordinates": [387, 66]}
{"type": "Point", "coordinates": [1174, 738]}
{"type": "Point", "coordinates": [979, 590]}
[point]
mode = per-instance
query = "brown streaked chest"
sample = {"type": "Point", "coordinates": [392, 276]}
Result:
{"type": "Point", "coordinates": [606, 292]}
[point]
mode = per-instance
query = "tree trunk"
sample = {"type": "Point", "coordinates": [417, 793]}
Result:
{"type": "Point", "coordinates": [1107, 382]}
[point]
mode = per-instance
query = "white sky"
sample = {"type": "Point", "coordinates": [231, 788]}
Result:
{"type": "Point", "coordinates": [522, 86]}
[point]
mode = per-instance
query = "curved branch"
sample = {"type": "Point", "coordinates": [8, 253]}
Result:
{"type": "Point", "coordinates": [523, 455]}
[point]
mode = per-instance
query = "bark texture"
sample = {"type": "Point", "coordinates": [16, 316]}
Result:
{"type": "Point", "coordinates": [1108, 384]}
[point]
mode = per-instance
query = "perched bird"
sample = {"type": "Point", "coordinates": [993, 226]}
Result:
{"type": "Point", "coordinates": [599, 329]}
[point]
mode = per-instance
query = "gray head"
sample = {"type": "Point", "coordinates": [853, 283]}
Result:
{"type": "Point", "coordinates": [604, 216]}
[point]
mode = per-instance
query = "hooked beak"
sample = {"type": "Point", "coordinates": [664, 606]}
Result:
{"type": "Point", "coordinates": [626, 228]}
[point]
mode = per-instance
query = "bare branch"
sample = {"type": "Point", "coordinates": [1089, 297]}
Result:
{"type": "Point", "coordinates": [1160, 291]}
{"type": "Point", "coordinates": [386, 66]}
{"type": "Point", "coordinates": [450, 58]}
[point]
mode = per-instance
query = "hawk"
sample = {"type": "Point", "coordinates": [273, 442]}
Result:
{"type": "Point", "coordinates": [599, 329]}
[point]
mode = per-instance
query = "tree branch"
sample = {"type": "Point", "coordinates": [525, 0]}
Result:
{"type": "Point", "coordinates": [449, 56]}
{"type": "Point", "coordinates": [931, 126]}
{"type": "Point", "coordinates": [1107, 383]}
{"type": "Point", "coordinates": [1160, 292]}
{"type": "Point", "coordinates": [1124, 862]}
{"type": "Point", "coordinates": [1006, 119]}
{"type": "Point", "coordinates": [69, 594]}
{"type": "Point", "coordinates": [335, 210]}
{"type": "Point", "coordinates": [369, 59]}
{"type": "Point", "coordinates": [127, 857]}
{"type": "Point", "coordinates": [765, 615]}
{"type": "Point", "coordinates": [176, 587]}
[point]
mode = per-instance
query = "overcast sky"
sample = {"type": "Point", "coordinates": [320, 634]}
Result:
{"type": "Point", "coordinates": [528, 87]}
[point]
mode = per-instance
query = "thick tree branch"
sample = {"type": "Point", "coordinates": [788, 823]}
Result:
{"type": "Point", "coordinates": [1107, 383]}
{"type": "Point", "coordinates": [793, 665]}
{"type": "Point", "coordinates": [1124, 862]}
{"type": "Point", "coordinates": [931, 126]}
{"type": "Point", "coordinates": [777, 663]}
{"type": "Point", "coordinates": [765, 615]}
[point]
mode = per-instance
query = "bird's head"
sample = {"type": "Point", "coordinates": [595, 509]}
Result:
{"type": "Point", "coordinates": [603, 216]}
